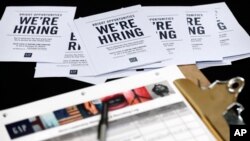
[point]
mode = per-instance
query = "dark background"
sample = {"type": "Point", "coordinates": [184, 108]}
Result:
{"type": "Point", "coordinates": [17, 85]}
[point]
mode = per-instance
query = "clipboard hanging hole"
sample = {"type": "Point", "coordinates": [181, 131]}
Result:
{"type": "Point", "coordinates": [82, 93]}
{"type": "Point", "coordinates": [157, 74]}
{"type": "Point", "coordinates": [4, 115]}
{"type": "Point", "coordinates": [236, 84]}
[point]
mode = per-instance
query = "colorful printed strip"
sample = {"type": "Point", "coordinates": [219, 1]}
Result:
{"type": "Point", "coordinates": [87, 109]}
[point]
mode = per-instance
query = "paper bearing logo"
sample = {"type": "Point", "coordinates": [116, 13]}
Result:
{"type": "Point", "coordinates": [73, 72]}
{"type": "Point", "coordinates": [134, 59]}
{"type": "Point", "coordinates": [28, 55]}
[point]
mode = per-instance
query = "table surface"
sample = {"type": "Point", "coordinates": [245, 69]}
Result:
{"type": "Point", "coordinates": [18, 85]}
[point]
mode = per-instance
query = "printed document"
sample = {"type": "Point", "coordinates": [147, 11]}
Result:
{"type": "Point", "coordinates": [119, 39]}
{"type": "Point", "coordinates": [203, 33]}
{"type": "Point", "coordinates": [234, 40]}
{"type": "Point", "coordinates": [35, 33]}
{"type": "Point", "coordinates": [168, 23]}
{"type": "Point", "coordinates": [74, 63]}
{"type": "Point", "coordinates": [204, 64]}
{"type": "Point", "coordinates": [143, 107]}
{"type": "Point", "coordinates": [105, 77]}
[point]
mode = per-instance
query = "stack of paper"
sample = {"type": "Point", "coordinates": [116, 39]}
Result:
{"type": "Point", "coordinates": [233, 39]}
{"type": "Point", "coordinates": [119, 42]}
{"type": "Point", "coordinates": [35, 34]}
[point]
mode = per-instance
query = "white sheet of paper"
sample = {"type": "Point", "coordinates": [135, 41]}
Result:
{"type": "Point", "coordinates": [203, 65]}
{"type": "Point", "coordinates": [168, 22]}
{"type": "Point", "coordinates": [233, 38]}
{"type": "Point", "coordinates": [235, 58]}
{"type": "Point", "coordinates": [75, 62]}
{"type": "Point", "coordinates": [65, 115]}
{"type": "Point", "coordinates": [203, 33]}
{"type": "Point", "coordinates": [168, 123]}
{"type": "Point", "coordinates": [119, 39]}
{"type": "Point", "coordinates": [102, 78]}
{"type": "Point", "coordinates": [90, 79]}
{"type": "Point", "coordinates": [156, 65]}
{"type": "Point", "coordinates": [173, 34]}
{"type": "Point", "coordinates": [35, 33]}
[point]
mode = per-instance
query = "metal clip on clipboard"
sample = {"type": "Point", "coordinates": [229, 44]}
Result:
{"type": "Point", "coordinates": [216, 104]}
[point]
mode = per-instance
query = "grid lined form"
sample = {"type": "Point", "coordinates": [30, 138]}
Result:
{"type": "Point", "coordinates": [172, 123]}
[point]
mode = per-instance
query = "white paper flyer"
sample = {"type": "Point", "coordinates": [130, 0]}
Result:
{"type": "Point", "coordinates": [74, 63]}
{"type": "Point", "coordinates": [113, 75]}
{"type": "Point", "coordinates": [90, 79]}
{"type": "Point", "coordinates": [234, 40]}
{"type": "Point", "coordinates": [119, 39]}
{"type": "Point", "coordinates": [35, 33]}
{"type": "Point", "coordinates": [168, 23]}
{"type": "Point", "coordinates": [235, 58]}
{"type": "Point", "coordinates": [203, 33]}
{"type": "Point", "coordinates": [203, 65]}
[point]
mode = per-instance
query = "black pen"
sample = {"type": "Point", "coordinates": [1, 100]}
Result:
{"type": "Point", "coordinates": [103, 124]}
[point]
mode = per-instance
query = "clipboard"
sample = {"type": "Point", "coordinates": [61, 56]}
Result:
{"type": "Point", "coordinates": [214, 104]}
{"type": "Point", "coordinates": [148, 80]}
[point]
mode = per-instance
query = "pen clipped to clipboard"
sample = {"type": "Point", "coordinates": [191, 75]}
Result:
{"type": "Point", "coordinates": [216, 105]}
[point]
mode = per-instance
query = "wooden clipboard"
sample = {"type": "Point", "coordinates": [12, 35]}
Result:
{"type": "Point", "coordinates": [212, 103]}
